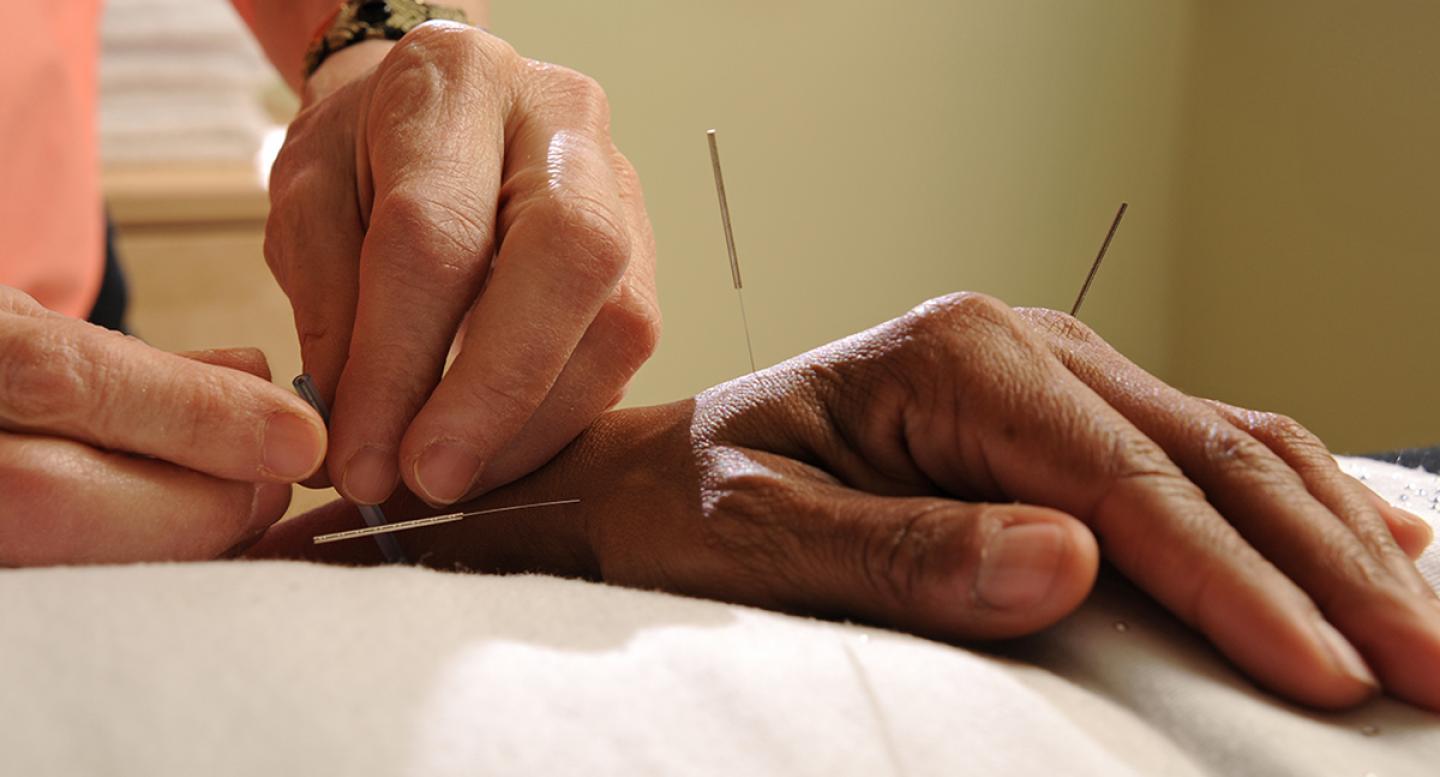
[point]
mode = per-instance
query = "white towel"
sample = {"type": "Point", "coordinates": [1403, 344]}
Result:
{"type": "Point", "coordinates": [287, 668]}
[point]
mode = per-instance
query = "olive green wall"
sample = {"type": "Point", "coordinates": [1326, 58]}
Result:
{"type": "Point", "coordinates": [880, 154]}
{"type": "Point", "coordinates": [1310, 269]}
{"type": "Point", "coordinates": [1282, 161]}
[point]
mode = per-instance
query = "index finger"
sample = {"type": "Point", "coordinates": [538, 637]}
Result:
{"type": "Point", "coordinates": [566, 243]}
{"type": "Point", "coordinates": [433, 135]}
{"type": "Point", "coordinates": [67, 378]}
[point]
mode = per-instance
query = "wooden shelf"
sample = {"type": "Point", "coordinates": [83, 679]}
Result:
{"type": "Point", "coordinates": [185, 195]}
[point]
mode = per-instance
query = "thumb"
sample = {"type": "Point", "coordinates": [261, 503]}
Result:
{"type": "Point", "coordinates": [949, 569]}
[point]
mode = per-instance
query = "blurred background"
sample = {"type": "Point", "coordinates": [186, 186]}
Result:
{"type": "Point", "coordinates": [1282, 249]}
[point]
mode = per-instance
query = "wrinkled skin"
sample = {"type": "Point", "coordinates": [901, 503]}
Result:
{"type": "Point", "coordinates": [959, 472]}
{"type": "Point", "coordinates": [453, 167]}
{"type": "Point", "coordinates": [113, 451]}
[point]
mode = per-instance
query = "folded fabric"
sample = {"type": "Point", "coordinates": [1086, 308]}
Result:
{"type": "Point", "coordinates": [286, 668]}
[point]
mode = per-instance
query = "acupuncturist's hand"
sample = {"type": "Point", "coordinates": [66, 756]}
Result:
{"type": "Point", "coordinates": [113, 451]}
{"type": "Point", "coordinates": [418, 176]}
{"type": "Point", "coordinates": [959, 472]}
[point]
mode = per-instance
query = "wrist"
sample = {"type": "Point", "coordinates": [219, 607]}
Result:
{"type": "Point", "coordinates": [357, 22]}
{"type": "Point", "coordinates": [627, 468]}
{"type": "Point", "coordinates": [342, 67]}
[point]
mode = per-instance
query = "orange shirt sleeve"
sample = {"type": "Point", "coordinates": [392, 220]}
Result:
{"type": "Point", "coordinates": [51, 214]}
{"type": "Point", "coordinates": [285, 28]}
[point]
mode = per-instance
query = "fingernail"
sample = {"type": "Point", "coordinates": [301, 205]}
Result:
{"type": "Point", "coordinates": [1420, 523]}
{"type": "Point", "coordinates": [1020, 565]}
{"type": "Point", "coordinates": [1343, 654]}
{"type": "Point", "coordinates": [370, 476]}
{"type": "Point", "coordinates": [293, 446]}
{"type": "Point", "coordinates": [445, 471]}
{"type": "Point", "coordinates": [267, 505]}
{"type": "Point", "coordinates": [1409, 516]}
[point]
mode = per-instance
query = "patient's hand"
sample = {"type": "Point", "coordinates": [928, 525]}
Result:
{"type": "Point", "coordinates": [114, 451]}
{"type": "Point", "coordinates": [949, 473]}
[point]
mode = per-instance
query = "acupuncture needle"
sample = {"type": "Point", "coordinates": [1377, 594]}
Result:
{"type": "Point", "coordinates": [435, 520]}
{"type": "Point", "coordinates": [730, 241]}
{"type": "Point", "coordinates": [1100, 257]}
{"type": "Point", "coordinates": [372, 514]}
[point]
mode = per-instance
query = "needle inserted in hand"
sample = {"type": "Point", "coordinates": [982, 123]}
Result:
{"type": "Point", "coordinates": [434, 520]}
{"type": "Point", "coordinates": [730, 241]}
{"type": "Point", "coordinates": [1094, 268]}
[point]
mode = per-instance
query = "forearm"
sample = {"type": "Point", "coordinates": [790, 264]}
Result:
{"type": "Point", "coordinates": [285, 28]}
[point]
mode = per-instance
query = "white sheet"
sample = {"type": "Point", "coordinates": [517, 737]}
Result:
{"type": "Point", "coordinates": [275, 668]}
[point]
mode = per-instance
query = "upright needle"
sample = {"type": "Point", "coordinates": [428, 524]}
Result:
{"type": "Point", "coordinates": [1100, 257]}
{"type": "Point", "coordinates": [730, 242]}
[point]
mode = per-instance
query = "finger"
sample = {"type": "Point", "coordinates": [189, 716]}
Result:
{"type": "Point", "coordinates": [17, 302]}
{"type": "Point", "coordinates": [251, 361]}
{"type": "Point", "coordinates": [623, 335]}
{"type": "Point", "coordinates": [435, 131]}
{"type": "Point", "coordinates": [1346, 498]}
{"type": "Point", "coordinates": [314, 234]}
{"type": "Point", "coordinates": [937, 567]}
{"type": "Point", "coordinates": [323, 302]}
{"type": "Point", "coordinates": [68, 503]}
{"type": "Point", "coordinates": [961, 571]}
{"type": "Point", "coordinates": [1302, 513]}
{"type": "Point", "coordinates": [67, 378]}
{"type": "Point", "coordinates": [1297, 511]}
{"type": "Point", "coordinates": [1044, 437]}
{"type": "Point", "coordinates": [565, 246]}
{"type": "Point", "coordinates": [1412, 533]}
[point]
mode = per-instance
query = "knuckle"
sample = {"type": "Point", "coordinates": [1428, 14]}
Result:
{"type": "Point", "coordinates": [574, 84]}
{"type": "Point", "coordinates": [1137, 465]}
{"type": "Point", "coordinates": [313, 334]}
{"type": "Point", "coordinates": [443, 238]}
{"type": "Point", "coordinates": [966, 306]}
{"type": "Point", "coordinates": [444, 44]}
{"type": "Point", "coordinates": [1290, 433]}
{"type": "Point", "coordinates": [581, 95]}
{"type": "Point", "coordinates": [435, 63]}
{"type": "Point", "coordinates": [435, 56]}
{"type": "Point", "coordinates": [286, 225]}
{"type": "Point", "coordinates": [13, 300]}
{"type": "Point", "coordinates": [1058, 324]}
{"type": "Point", "coordinates": [1230, 448]}
{"type": "Point", "coordinates": [204, 399]}
{"type": "Point", "coordinates": [290, 159]}
{"type": "Point", "coordinates": [596, 235]}
{"type": "Point", "coordinates": [1131, 455]}
{"type": "Point", "coordinates": [752, 527]}
{"type": "Point", "coordinates": [274, 251]}
{"type": "Point", "coordinates": [288, 183]}
{"type": "Point", "coordinates": [964, 314]}
{"type": "Point", "coordinates": [635, 322]}
{"type": "Point", "coordinates": [1158, 478]}
{"type": "Point", "coordinates": [897, 559]}
{"type": "Point", "coordinates": [45, 379]}
{"type": "Point", "coordinates": [499, 397]}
